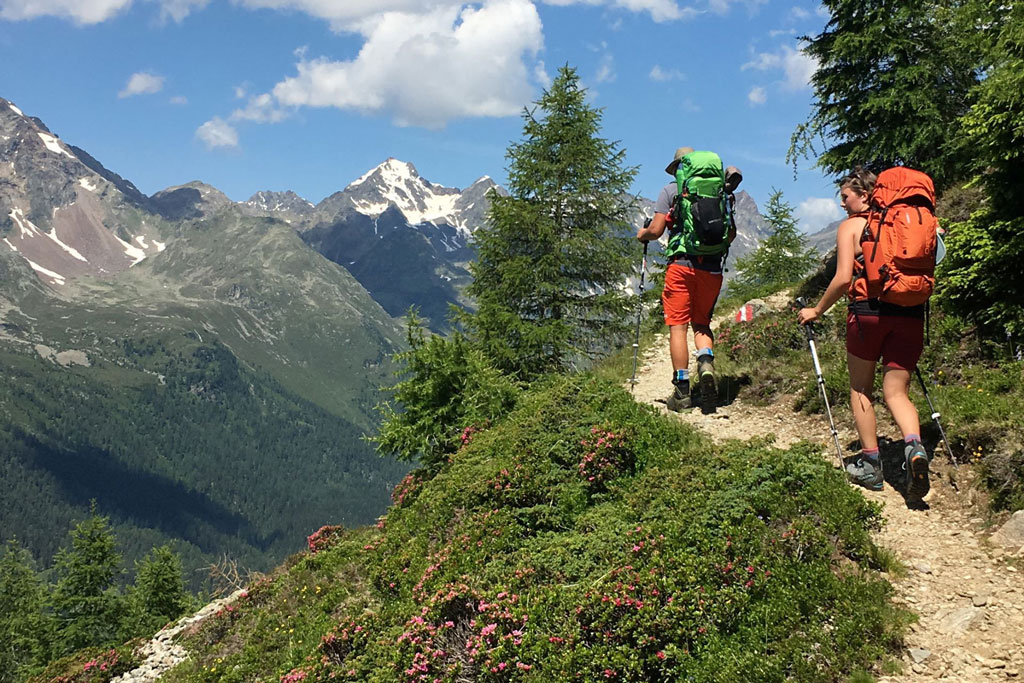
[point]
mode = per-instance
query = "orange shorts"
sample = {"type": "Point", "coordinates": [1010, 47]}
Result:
{"type": "Point", "coordinates": [690, 295]}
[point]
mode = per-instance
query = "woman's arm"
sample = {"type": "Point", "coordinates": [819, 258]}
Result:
{"type": "Point", "coordinates": [846, 240]}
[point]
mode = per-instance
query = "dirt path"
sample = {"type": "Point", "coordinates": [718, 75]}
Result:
{"type": "Point", "coordinates": [969, 596]}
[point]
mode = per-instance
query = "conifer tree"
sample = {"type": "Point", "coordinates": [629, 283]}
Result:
{"type": "Point", "coordinates": [980, 278]}
{"type": "Point", "coordinates": [555, 252]}
{"type": "Point", "coordinates": [158, 595]}
{"type": "Point", "coordinates": [892, 79]}
{"type": "Point", "coordinates": [24, 625]}
{"type": "Point", "coordinates": [781, 259]}
{"type": "Point", "coordinates": [87, 605]}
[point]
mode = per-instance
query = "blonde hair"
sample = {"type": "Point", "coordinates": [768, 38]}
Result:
{"type": "Point", "coordinates": [860, 180]}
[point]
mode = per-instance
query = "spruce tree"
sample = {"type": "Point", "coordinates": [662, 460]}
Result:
{"type": "Point", "coordinates": [158, 595]}
{"type": "Point", "coordinates": [892, 80]}
{"type": "Point", "coordinates": [24, 624]}
{"type": "Point", "coordinates": [555, 252]}
{"type": "Point", "coordinates": [782, 259]}
{"type": "Point", "coordinates": [87, 605]}
{"type": "Point", "coordinates": [980, 278]}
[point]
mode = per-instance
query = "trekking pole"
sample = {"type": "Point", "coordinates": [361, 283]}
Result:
{"type": "Point", "coordinates": [809, 332]}
{"type": "Point", "coordinates": [935, 418]}
{"type": "Point", "coordinates": [639, 313]}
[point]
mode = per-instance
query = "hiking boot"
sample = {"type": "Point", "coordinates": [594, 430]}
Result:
{"type": "Point", "coordinates": [915, 464]}
{"type": "Point", "coordinates": [864, 471]}
{"type": "Point", "coordinates": [681, 399]}
{"type": "Point", "coordinates": [708, 389]}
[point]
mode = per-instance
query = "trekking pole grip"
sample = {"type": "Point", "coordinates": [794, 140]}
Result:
{"type": "Point", "coordinates": [808, 327]}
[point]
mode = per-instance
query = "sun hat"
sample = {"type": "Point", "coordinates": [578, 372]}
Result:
{"type": "Point", "coordinates": [680, 153]}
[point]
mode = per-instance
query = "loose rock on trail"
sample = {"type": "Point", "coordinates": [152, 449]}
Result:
{"type": "Point", "coordinates": [968, 592]}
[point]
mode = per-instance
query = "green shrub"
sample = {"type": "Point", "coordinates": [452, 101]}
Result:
{"type": "Point", "coordinates": [677, 560]}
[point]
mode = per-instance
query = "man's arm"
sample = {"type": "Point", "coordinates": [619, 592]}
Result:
{"type": "Point", "coordinates": [652, 230]}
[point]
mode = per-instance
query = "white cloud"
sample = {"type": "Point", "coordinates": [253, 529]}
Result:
{"type": "Point", "coordinates": [142, 83]}
{"type": "Point", "coordinates": [217, 133]}
{"type": "Point", "coordinates": [540, 73]}
{"type": "Point", "coordinates": [660, 10]}
{"type": "Point", "coordinates": [606, 69]}
{"type": "Point", "coordinates": [815, 213]}
{"type": "Point", "coordinates": [757, 95]}
{"type": "Point", "coordinates": [90, 11]}
{"type": "Point", "coordinates": [79, 11]}
{"type": "Point", "coordinates": [797, 68]}
{"type": "Point", "coordinates": [468, 61]}
{"type": "Point", "coordinates": [180, 100]}
{"type": "Point", "coordinates": [661, 75]}
{"type": "Point", "coordinates": [179, 9]}
{"type": "Point", "coordinates": [798, 14]}
{"type": "Point", "coordinates": [261, 109]}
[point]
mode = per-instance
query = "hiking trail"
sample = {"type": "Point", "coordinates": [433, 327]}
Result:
{"type": "Point", "coordinates": [967, 592]}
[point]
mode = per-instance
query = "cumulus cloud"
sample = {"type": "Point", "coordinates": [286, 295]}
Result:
{"type": "Point", "coordinates": [660, 74]}
{"type": "Point", "coordinates": [90, 11]}
{"type": "Point", "coordinates": [79, 11]}
{"type": "Point", "coordinates": [757, 95]}
{"type": "Point", "coordinates": [261, 109]}
{"type": "Point", "coordinates": [469, 61]}
{"type": "Point", "coordinates": [142, 83]}
{"type": "Point", "coordinates": [797, 68]}
{"type": "Point", "coordinates": [815, 213]}
{"type": "Point", "coordinates": [217, 133]}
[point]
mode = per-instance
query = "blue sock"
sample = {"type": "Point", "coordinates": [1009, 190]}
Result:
{"type": "Point", "coordinates": [910, 438]}
{"type": "Point", "coordinates": [870, 453]}
{"type": "Point", "coordinates": [705, 352]}
{"type": "Point", "coordinates": [681, 376]}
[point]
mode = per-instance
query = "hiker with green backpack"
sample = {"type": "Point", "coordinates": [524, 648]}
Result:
{"type": "Point", "coordinates": [697, 210]}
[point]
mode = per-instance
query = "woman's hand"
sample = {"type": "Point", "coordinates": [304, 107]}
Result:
{"type": "Point", "coordinates": [807, 315]}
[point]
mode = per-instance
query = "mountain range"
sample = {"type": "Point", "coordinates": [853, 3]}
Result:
{"type": "Point", "coordinates": [261, 329]}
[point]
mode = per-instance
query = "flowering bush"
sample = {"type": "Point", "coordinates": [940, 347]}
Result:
{"type": "Point", "coordinates": [324, 538]}
{"type": "Point", "coordinates": [512, 564]}
{"type": "Point", "coordinates": [605, 457]}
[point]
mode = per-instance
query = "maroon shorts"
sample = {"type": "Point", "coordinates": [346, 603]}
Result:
{"type": "Point", "coordinates": [897, 340]}
{"type": "Point", "coordinates": [690, 295]}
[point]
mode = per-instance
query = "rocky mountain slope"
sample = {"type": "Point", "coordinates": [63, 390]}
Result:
{"type": "Point", "coordinates": [176, 347]}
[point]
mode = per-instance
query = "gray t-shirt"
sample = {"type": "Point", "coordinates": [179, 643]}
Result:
{"type": "Point", "coordinates": [665, 197]}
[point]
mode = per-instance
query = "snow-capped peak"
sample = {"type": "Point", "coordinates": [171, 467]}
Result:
{"type": "Point", "coordinates": [391, 172]}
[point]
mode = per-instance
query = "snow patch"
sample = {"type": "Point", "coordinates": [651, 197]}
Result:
{"type": "Point", "coordinates": [53, 144]}
{"type": "Point", "coordinates": [132, 252]}
{"type": "Point", "coordinates": [57, 277]}
{"type": "Point", "coordinates": [18, 217]}
{"type": "Point", "coordinates": [141, 239]}
{"type": "Point", "coordinates": [15, 110]}
{"type": "Point", "coordinates": [160, 246]}
{"type": "Point", "coordinates": [88, 184]}
{"type": "Point", "coordinates": [71, 250]}
{"type": "Point", "coordinates": [13, 248]}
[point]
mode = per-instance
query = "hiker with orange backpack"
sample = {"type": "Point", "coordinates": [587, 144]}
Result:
{"type": "Point", "coordinates": [885, 254]}
{"type": "Point", "coordinates": [696, 209]}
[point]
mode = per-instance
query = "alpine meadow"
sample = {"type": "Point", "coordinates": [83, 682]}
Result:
{"type": "Point", "coordinates": [539, 428]}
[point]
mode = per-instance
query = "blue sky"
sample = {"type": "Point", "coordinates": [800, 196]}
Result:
{"type": "Point", "coordinates": [307, 95]}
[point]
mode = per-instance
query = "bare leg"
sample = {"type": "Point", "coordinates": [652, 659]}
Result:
{"type": "Point", "coordinates": [862, 381]}
{"type": "Point", "coordinates": [677, 347]}
{"type": "Point", "coordinates": [895, 383]}
{"type": "Point", "coordinates": [702, 337]}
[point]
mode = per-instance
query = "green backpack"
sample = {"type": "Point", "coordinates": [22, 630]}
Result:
{"type": "Point", "coordinates": [702, 213]}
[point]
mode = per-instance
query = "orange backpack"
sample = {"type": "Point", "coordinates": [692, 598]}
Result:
{"type": "Point", "coordinates": [898, 241]}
